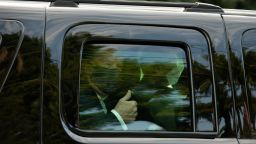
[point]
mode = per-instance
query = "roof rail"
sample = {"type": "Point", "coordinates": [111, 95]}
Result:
{"type": "Point", "coordinates": [204, 7]}
{"type": "Point", "coordinates": [189, 7]}
{"type": "Point", "coordinates": [140, 3]}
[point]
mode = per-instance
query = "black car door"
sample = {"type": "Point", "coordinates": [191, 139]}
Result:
{"type": "Point", "coordinates": [144, 42]}
{"type": "Point", "coordinates": [21, 47]}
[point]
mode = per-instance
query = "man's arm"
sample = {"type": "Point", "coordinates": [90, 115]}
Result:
{"type": "Point", "coordinates": [125, 110]}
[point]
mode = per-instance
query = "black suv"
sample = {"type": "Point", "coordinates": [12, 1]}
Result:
{"type": "Point", "coordinates": [85, 71]}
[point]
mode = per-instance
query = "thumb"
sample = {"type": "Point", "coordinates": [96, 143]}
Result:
{"type": "Point", "coordinates": [127, 96]}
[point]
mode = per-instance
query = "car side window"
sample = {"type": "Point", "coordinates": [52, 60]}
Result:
{"type": "Point", "coordinates": [136, 80]}
{"type": "Point", "coordinates": [10, 36]}
{"type": "Point", "coordinates": [157, 77]}
{"type": "Point", "coordinates": [249, 52]}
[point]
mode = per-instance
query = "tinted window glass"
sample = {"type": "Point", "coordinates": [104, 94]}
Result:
{"type": "Point", "coordinates": [249, 50]}
{"type": "Point", "coordinates": [134, 87]}
{"type": "Point", "coordinates": [77, 86]}
{"type": "Point", "coordinates": [20, 76]}
{"type": "Point", "coordinates": [10, 32]}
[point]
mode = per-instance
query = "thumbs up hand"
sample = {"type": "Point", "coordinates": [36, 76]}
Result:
{"type": "Point", "coordinates": [127, 109]}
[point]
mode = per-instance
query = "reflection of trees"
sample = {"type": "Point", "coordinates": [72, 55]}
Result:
{"type": "Point", "coordinates": [224, 95]}
{"type": "Point", "coordinates": [20, 96]}
{"type": "Point", "coordinates": [202, 80]}
{"type": "Point", "coordinates": [168, 108]}
{"type": "Point", "coordinates": [53, 130]}
{"type": "Point", "coordinates": [250, 68]}
{"type": "Point", "coordinates": [7, 53]}
{"type": "Point", "coordinates": [241, 96]}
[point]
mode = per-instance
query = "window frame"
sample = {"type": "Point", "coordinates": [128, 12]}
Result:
{"type": "Point", "coordinates": [247, 87]}
{"type": "Point", "coordinates": [71, 130]}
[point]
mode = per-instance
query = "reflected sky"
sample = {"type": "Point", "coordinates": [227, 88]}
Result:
{"type": "Point", "coordinates": [10, 27]}
{"type": "Point", "coordinates": [10, 34]}
{"type": "Point", "coordinates": [192, 37]}
{"type": "Point", "coordinates": [249, 53]}
{"type": "Point", "coordinates": [147, 53]}
{"type": "Point", "coordinates": [204, 124]}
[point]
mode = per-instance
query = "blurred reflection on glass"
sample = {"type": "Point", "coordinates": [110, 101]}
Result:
{"type": "Point", "coordinates": [156, 75]}
{"type": "Point", "coordinates": [249, 51]}
{"type": "Point", "coordinates": [10, 33]}
{"type": "Point", "coordinates": [20, 76]}
{"type": "Point", "coordinates": [224, 95]}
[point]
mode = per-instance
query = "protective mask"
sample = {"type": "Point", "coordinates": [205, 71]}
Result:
{"type": "Point", "coordinates": [107, 80]}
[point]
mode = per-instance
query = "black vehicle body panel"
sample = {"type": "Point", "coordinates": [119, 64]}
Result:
{"type": "Point", "coordinates": [21, 92]}
{"type": "Point", "coordinates": [129, 15]}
